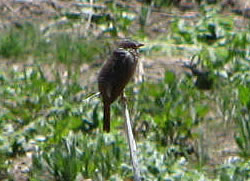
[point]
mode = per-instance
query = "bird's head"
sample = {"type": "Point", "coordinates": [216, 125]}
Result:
{"type": "Point", "coordinates": [129, 44]}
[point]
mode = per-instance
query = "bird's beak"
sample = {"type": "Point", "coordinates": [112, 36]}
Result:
{"type": "Point", "coordinates": [140, 45]}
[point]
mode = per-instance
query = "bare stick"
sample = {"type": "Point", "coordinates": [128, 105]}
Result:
{"type": "Point", "coordinates": [131, 141]}
{"type": "Point", "coordinates": [141, 72]}
{"type": "Point", "coordinates": [89, 18]}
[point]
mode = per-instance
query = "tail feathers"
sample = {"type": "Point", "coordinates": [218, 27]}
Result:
{"type": "Point", "coordinates": [106, 118]}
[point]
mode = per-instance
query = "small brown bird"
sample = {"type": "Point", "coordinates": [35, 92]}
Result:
{"type": "Point", "coordinates": [115, 75]}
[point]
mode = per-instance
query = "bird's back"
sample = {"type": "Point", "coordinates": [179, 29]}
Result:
{"type": "Point", "coordinates": [116, 73]}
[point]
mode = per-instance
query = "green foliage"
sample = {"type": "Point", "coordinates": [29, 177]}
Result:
{"type": "Point", "coordinates": [11, 45]}
{"type": "Point", "coordinates": [17, 41]}
{"type": "Point", "coordinates": [104, 157]}
{"type": "Point", "coordinates": [72, 50]}
{"type": "Point", "coordinates": [161, 3]}
{"type": "Point", "coordinates": [3, 166]}
{"type": "Point", "coordinates": [242, 136]}
{"type": "Point", "coordinates": [66, 154]}
{"type": "Point", "coordinates": [34, 106]}
{"type": "Point", "coordinates": [236, 170]}
{"type": "Point", "coordinates": [120, 21]}
{"type": "Point", "coordinates": [176, 107]}
{"type": "Point", "coordinates": [28, 40]}
{"type": "Point", "coordinates": [78, 155]}
{"type": "Point", "coordinates": [62, 161]}
{"type": "Point", "coordinates": [244, 96]}
{"type": "Point", "coordinates": [49, 118]}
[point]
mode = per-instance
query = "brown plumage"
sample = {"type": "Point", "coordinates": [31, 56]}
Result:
{"type": "Point", "coordinates": [115, 75]}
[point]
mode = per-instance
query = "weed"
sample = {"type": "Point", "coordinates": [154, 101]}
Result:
{"type": "Point", "coordinates": [17, 42]}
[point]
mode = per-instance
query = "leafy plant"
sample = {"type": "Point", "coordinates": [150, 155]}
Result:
{"type": "Point", "coordinates": [32, 106]}
{"type": "Point", "coordinates": [19, 41]}
{"type": "Point", "coordinates": [242, 136]}
{"type": "Point", "coordinates": [10, 45]}
{"type": "Point", "coordinates": [63, 161]}
{"type": "Point", "coordinates": [237, 170]}
{"type": "Point", "coordinates": [98, 158]}
{"type": "Point", "coordinates": [176, 109]}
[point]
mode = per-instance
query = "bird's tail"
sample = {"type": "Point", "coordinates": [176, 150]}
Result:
{"type": "Point", "coordinates": [106, 118]}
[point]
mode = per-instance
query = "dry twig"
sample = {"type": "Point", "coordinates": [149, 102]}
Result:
{"type": "Point", "coordinates": [131, 141]}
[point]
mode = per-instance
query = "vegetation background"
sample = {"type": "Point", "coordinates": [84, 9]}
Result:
{"type": "Point", "coordinates": [190, 101]}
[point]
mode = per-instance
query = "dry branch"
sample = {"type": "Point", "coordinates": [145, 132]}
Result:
{"type": "Point", "coordinates": [132, 143]}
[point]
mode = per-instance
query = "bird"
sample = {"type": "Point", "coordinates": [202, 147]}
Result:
{"type": "Point", "coordinates": [115, 74]}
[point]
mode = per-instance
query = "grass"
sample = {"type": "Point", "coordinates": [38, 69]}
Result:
{"type": "Point", "coordinates": [19, 43]}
